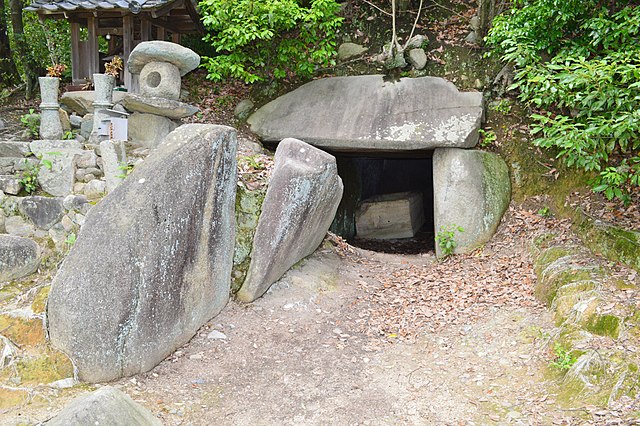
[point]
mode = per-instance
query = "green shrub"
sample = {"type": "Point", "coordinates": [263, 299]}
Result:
{"type": "Point", "coordinates": [259, 39]}
{"type": "Point", "coordinates": [579, 65]}
{"type": "Point", "coordinates": [445, 238]}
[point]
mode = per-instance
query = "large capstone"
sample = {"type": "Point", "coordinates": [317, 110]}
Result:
{"type": "Point", "coordinates": [301, 201]}
{"type": "Point", "coordinates": [472, 191]}
{"type": "Point", "coordinates": [106, 406]}
{"type": "Point", "coordinates": [153, 260]}
{"type": "Point", "coordinates": [366, 113]}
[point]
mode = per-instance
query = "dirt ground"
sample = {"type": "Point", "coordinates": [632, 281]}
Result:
{"type": "Point", "coordinates": [321, 348]}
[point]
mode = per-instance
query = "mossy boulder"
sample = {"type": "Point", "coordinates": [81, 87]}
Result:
{"type": "Point", "coordinates": [472, 190]}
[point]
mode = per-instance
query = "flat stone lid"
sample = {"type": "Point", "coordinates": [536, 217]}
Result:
{"type": "Point", "coordinates": [365, 113]}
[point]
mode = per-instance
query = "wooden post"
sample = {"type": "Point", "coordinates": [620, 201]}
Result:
{"type": "Point", "coordinates": [176, 37]}
{"type": "Point", "coordinates": [145, 29]}
{"type": "Point", "coordinates": [127, 47]}
{"type": "Point", "coordinates": [162, 33]}
{"type": "Point", "coordinates": [76, 78]}
{"type": "Point", "coordinates": [92, 39]}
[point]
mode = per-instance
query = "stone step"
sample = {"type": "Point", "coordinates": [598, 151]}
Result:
{"type": "Point", "coordinates": [14, 149]}
{"type": "Point", "coordinates": [10, 184]}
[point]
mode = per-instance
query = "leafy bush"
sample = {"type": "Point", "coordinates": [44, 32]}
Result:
{"type": "Point", "coordinates": [580, 64]}
{"type": "Point", "coordinates": [261, 39]}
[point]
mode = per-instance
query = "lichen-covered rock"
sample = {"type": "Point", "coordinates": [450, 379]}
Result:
{"type": "Point", "coordinates": [153, 261]}
{"type": "Point", "coordinates": [106, 406]}
{"type": "Point", "coordinates": [472, 190]}
{"type": "Point", "coordinates": [299, 206]}
{"type": "Point", "coordinates": [366, 113]}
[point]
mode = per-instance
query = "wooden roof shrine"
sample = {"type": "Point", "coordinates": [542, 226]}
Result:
{"type": "Point", "coordinates": [123, 23]}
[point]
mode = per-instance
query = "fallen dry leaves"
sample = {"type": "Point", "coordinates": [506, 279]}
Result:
{"type": "Point", "coordinates": [412, 299]}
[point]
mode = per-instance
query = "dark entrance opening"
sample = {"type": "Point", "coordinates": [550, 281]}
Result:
{"type": "Point", "coordinates": [370, 175]}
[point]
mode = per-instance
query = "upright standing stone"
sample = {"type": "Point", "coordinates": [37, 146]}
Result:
{"type": "Point", "coordinates": [301, 201]}
{"type": "Point", "coordinates": [471, 190]}
{"type": "Point", "coordinates": [153, 260]}
{"type": "Point", "coordinates": [50, 124]}
{"type": "Point", "coordinates": [114, 162]}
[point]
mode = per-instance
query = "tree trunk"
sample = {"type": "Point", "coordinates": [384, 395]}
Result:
{"type": "Point", "coordinates": [22, 48]}
{"type": "Point", "coordinates": [8, 71]}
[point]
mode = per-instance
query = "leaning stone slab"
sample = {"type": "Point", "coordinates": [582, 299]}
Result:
{"type": "Point", "coordinates": [58, 179]}
{"type": "Point", "coordinates": [81, 102]}
{"type": "Point", "coordinates": [163, 51]}
{"type": "Point", "coordinates": [19, 257]}
{"type": "Point", "coordinates": [152, 262]}
{"type": "Point", "coordinates": [44, 212]}
{"type": "Point", "coordinates": [471, 190]}
{"type": "Point", "coordinates": [365, 113]}
{"type": "Point", "coordinates": [159, 106]}
{"type": "Point", "coordinates": [301, 201]}
{"type": "Point", "coordinates": [106, 406]}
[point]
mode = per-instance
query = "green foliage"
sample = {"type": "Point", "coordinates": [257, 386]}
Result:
{"type": "Point", "coordinates": [70, 241]}
{"type": "Point", "coordinates": [503, 106]}
{"type": "Point", "coordinates": [445, 238]}
{"type": "Point", "coordinates": [544, 212]}
{"type": "Point", "coordinates": [68, 135]}
{"type": "Point", "coordinates": [488, 137]}
{"type": "Point", "coordinates": [126, 170]}
{"type": "Point", "coordinates": [580, 64]}
{"type": "Point", "coordinates": [564, 359]}
{"type": "Point", "coordinates": [32, 122]}
{"type": "Point", "coordinates": [258, 40]}
{"type": "Point", "coordinates": [29, 177]}
{"type": "Point", "coordinates": [49, 42]}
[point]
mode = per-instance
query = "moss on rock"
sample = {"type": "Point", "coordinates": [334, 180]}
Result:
{"type": "Point", "coordinates": [22, 331]}
{"type": "Point", "coordinates": [248, 208]}
{"type": "Point", "coordinates": [50, 366]}
{"type": "Point", "coordinates": [40, 301]}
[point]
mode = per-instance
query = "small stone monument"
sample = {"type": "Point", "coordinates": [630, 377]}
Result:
{"type": "Point", "coordinates": [160, 66]}
{"type": "Point", "coordinates": [50, 124]}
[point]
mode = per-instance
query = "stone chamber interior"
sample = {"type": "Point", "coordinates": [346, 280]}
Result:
{"type": "Point", "coordinates": [365, 176]}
